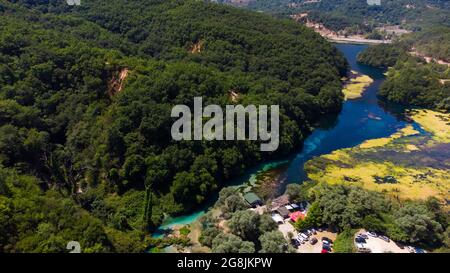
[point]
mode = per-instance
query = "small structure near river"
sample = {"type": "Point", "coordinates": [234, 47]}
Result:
{"type": "Point", "coordinates": [253, 200]}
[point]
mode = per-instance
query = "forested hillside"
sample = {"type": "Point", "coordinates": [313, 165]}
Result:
{"type": "Point", "coordinates": [414, 83]}
{"type": "Point", "coordinates": [86, 93]}
{"type": "Point", "coordinates": [334, 14]}
{"type": "Point", "coordinates": [433, 42]}
{"type": "Point", "coordinates": [383, 56]}
{"type": "Point", "coordinates": [418, 74]}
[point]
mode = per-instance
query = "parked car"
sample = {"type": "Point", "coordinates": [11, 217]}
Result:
{"type": "Point", "coordinates": [314, 231]}
{"type": "Point", "coordinates": [411, 249]}
{"type": "Point", "coordinates": [326, 247]}
{"type": "Point", "coordinates": [384, 238]}
{"type": "Point", "coordinates": [420, 250]}
{"type": "Point", "coordinates": [304, 235]}
{"type": "Point", "coordinates": [364, 250]}
{"type": "Point", "coordinates": [295, 243]}
{"type": "Point", "coordinates": [372, 234]}
{"type": "Point", "coordinates": [363, 235]}
{"type": "Point", "coordinates": [400, 245]}
{"type": "Point", "coordinates": [313, 241]}
{"type": "Point", "coordinates": [327, 239]}
{"type": "Point", "coordinates": [360, 240]}
{"type": "Point", "coordinates": [360, 245]}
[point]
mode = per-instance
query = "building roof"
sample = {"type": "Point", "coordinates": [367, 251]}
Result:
{"type": "Point", "coordinates": [283, 211]}
{"type": "Point", "coordinates": [296, 215]}
{"type": "Point", "coordinates": [280, 201]}
{"type": "Point", "coordinates": [251, 198]}
{"type": "Point", "coordinates": [277, 218]}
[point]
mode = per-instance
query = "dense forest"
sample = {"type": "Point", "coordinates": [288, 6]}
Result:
{"type": "Point", "coordinates": [333, 14]}
{"type": "Point", "coordinates": [432, 41]}
{"type": "Point", "coordinates": [414, 79]}
{"type": "Point", "coordinates": [384, 55]}
{"type": "Point", "coordinates": [410, 79]}
{"type": "Point", "coordinates": [413, 83]}
{"type": "Point", "coordinates": [86, 93]}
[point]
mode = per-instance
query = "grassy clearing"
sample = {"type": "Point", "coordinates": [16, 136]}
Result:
{"type": "Point", "coordinates": [344, 242]}
{"type": "Point", "coordinates": [185, 231]}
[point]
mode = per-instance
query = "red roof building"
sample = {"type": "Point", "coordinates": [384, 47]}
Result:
{"type": "Point", "coordinates": [297, 215]}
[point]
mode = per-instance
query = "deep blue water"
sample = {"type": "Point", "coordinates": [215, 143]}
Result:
{"type": "Point", "coordinates": [361, 119]}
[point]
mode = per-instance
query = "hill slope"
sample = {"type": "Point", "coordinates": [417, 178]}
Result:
{"type": "Point", "coordinates": [334, 14]}
{"type": "Point", "coordinates": [86, 93]}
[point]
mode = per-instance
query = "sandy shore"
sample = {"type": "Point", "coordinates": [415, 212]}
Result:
{"type": "Point", "coordinates": [344, 40]}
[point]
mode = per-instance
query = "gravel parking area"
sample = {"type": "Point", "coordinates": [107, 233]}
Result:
{"type": "Point", "coordinates": [377, 245]}
{"type": "Point", "coordinates": [286, 228]}
{"type": "Point", "coordinates": [317, 248]}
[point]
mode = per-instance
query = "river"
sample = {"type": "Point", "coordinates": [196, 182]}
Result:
{"type": "Point", "coordinates": [360, 119]}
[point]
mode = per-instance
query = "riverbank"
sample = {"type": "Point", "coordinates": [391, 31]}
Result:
{"type": "Point", "coordinates": [409, 164]}
{"type": "Point", "coordinates": [356, 40]}
{"type": "Point", "coordinates": [334, 36]}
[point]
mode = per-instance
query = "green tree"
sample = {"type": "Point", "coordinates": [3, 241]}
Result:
{"type": "Point", "coordinates": [266, 224]}
{"type": "Point", "coordinates": [208, 234]}
{"type": "Point", "coordinates": [230, 201]}
{"type": "Point", "coordinates": [230, 243]}
{"type": "Point", "coordinates": [294, 193]}
{"type": "Point", "coordinates": [133, 171]}
{"type": "Point", "coordinates": [313, 218]}
{"type": "Point", "coordinates": [300, 192]}
{"type": "Point", "coordinates": [345, 206]}
{"type": "Point", "coordinates": [418, 224]}
{"type": "Point", "coordinates": [372, 223]}
{"type": "Point", "coordinates": [344, 242]}
{"type": "Point", "coordinates": [245, 224]}
{"type": "Point", "coordinates": [273, 242]}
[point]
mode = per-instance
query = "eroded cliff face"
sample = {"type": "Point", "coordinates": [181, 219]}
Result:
{"type": "Point", "coordinates": [116, 83]}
